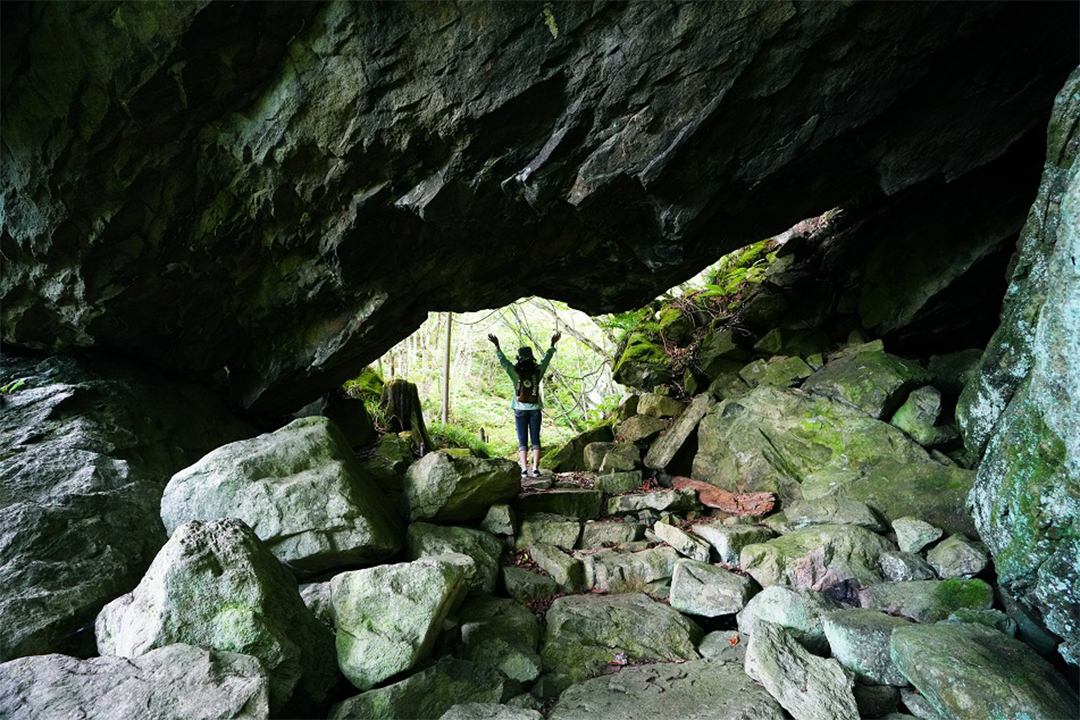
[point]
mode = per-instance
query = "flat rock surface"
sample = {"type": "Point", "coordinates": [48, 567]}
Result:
{"type": "Point", "coordinates": [696, 690]}
{"type": "Point", "coordinates": [175, 681]}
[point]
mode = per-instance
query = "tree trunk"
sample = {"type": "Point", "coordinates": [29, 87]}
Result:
{"type": "Point", "coordinates": [446, 371]}
{"type": "Point", "coordinates": [400, 403]}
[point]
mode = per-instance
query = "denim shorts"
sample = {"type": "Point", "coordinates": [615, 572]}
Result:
{"type": "Point", "coordinates": [528, 426]}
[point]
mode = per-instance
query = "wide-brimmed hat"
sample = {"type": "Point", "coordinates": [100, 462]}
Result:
{"type": "Point", "coordinates": [525, 353]}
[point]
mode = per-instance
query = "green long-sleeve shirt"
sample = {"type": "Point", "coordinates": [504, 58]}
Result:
{"type": "Point", "coordinates": [509, 368]}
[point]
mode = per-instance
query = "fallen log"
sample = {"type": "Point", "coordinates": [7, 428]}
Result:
{"type": "Point", "coordinates": [756, 504]}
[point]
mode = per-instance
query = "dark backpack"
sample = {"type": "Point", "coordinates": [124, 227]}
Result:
{"type": "Point", "coordinates": [529, 387]}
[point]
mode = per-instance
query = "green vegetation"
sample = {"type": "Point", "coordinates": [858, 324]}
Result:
{"type": "Point", "coordinates": [12, 387]}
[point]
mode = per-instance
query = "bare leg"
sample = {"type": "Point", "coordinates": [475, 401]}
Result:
{"type": "Point", "coordinates": [536, 458]}
{"type": "Point", "coordinates": [523, 459]}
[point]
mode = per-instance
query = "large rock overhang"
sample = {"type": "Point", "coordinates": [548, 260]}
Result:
{"type": "Point", "coordinates": [285, 190]}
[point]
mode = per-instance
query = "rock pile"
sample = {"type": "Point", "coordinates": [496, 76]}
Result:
{"type": "Point", "coordinates": [864, 593]}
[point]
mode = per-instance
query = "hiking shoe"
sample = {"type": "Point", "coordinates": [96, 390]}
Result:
{"type": "Point", "coordinates": [534, 473]}
{"type": "Point", "coordinates": [524, 472]}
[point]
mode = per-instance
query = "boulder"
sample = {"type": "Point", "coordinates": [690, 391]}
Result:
{"type": "Point", "coordinates": [660, 406]}
{"type": "Point", "coordinates": [972, 671]}
{"type": "Point", "coordinates": [578, 503]}
{"type": "Point", "coordinates": [500, 634]}
{"type": "Point", "coordinates": [639, 428]}
{"type": "Point", "coordinates": [685, 544]}
{"type": "Point", "coordinates": [777, 371]}
{"type": "Point", "coordinates": [724, 646]}
{"type": "Point", "coordinates": [698, 588]}
{"type": "Point", "coordinates": [990, 618]}
{"type": "Point", "coordinates": [671, 444]}
{"type": "Point", "coordinates": [524, 586]}
{"type": "Point", "coordinates": [389, 461]}
{"type": "Point", "coordinates": [658, 500]}
{"type": "Point", "coordinates": [299, 488]}
{"type": "Point", "coordinates": [625, 456]}
{"type": "Point", "coordinates": [729, 540]}
{"type": "Point", "coordinates": [695, 690]}
{"type": "Point", "coordinates": [771, 439]}
{"type": "Point", "coordinates": [617, 483]}
{"type": "Point", "coordinates": [485, 550]}
{"type": "Point", "coordinates": [927, 601]}
{"type": "Point", "coordinates": [627, 407]}
{"type": "Point", "coordinates": [912, 534]}
{"type": "Point", "coordinates": [827, 558]}
{"type": "Point", "coordinates": [446, 489]}
{"type": "Point", "coordinates": [500, 520]}
{"type": "Point", "coordinates": [957, 557]}
{"type": "Point", "coordinates": [807, 686]}
{"type": "Point", "coordinates": [801, 612]}
{"type": "Point", "coordinates": [918, 417]}
{"type": "Point", "coordinates": [642, 363]}
{"type": "Point", "coordinates": [316, 597]}
{"type": "Point", "coordinates": [85, 449]}
{"type": "Point", "coordinates": [874, 382]}
{"type": "Point", "coordinates": [598, 534]}
{"type": "Point", "coordinates": [621, 571]}
{"type": "Point", "coordinates": [216, 585]}
{"type": "Point", "coordinates": [931, 491]}
{"type": "Point", "coordinates": [586, 632]}
{"type": "Point", "coordinates": [832, 511]}
{"type": "Point", "coordinates": [903, 566]}
{"type": "Point", "coordinates": [426, 695]}
{"type": "Point", "coordinates": [490, 711]}
{"type": "Point", "coordinates": [175, 681]}
{"type": "Point", "coordinates": [389, 616]}
{"type": "Point", "coordinates": [570, 456]}
{"type": "Point", "coordinates": [859, 640]}
{"type": "Point", "coordinates": [566, 571]}
{"type": "Point", "coordinates": [550, 529]}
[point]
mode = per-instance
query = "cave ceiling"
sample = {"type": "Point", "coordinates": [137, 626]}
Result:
{"type": "Point", "coordinates": [285, 190]}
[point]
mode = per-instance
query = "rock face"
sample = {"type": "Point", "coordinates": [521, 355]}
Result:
{"type": "Point", "coordinates": [696, 690]}
{"type": "Point", "coordinates": [85, 449]}
{"type": "Point", "coordinates": [299, 488]}
{"type": "Point", "coordinates": [969, 671]}
{"type": "Point", "coordinates": [442, 488]}
{"type": "Point", "coordinates": [387, 617]}
{"type": "Point", "coordinates": [1024, 405]}
{"type": "Point", "coordinates": [215, 585]}
{"type": "Point", "coordinates": [311, 143]}
{"type": "Point", "coordinates": [177, 681]}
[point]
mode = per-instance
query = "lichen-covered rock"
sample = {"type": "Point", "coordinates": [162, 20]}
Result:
{"type": "Point", "coordinates": [918, 417]}
{"type": "Point", "coordinates": [570, 456]}
{"type": "Point", "coordinates": [621, 571]}
{"type": "Point", "coordinates": [617, 483]}
{"type": "Point", "coordinates": [903, 566]}
{"type": "Point", "coordinates": [446, 489]}
{"type": "Point", "coordinates": [729, 540]}
{"type": "Point", "coordinates": [525, 585]}
{"type": "Point", "coordinates": [550, 529]}
{"type": "Point", "coordinates": [566, 571]}
{"type": "Point", "coordinates": [698, 588]}
{"type": "Point", "coordinates": [1024, 405]}
{"type": "Point", "coordinates": [485, 550]}
{"type": "Point", "coordinates": [927, 601]}
{"type": "Point", "coordinates": [874, 382]}
{"type": "Point", "coordinates": [990, 618]}
{"type": "Point", "coordinates": [639, 428]}
{"type": "Point", "coordinates": [85, 449]}
{"type": "Point", "coordinates": [316, 597]}
{"type": "Point", "coordinates": [913, 534]}
{"type": "Point", "coordinates": [427, 695]}
{"type": "Point", "coordinates": [500, 520]}
{"type": "Point", "coordinates": [777, 371]}
{"type": "Point", "coordinates": [687, 545]}
{"type": "Point", "coordinates": [642, 363]}
{"type": "Point", "coordinates": [658, 500]}
{"type": "Point", "coordinates": [832, 511]}
{"type": "Point", "coordinates": [695, 690]}
{"type": "Point", "coordinates": [579, 503]}
{"type": "Point", "coordinates": [490, 711]}
{"type": "Point", "coordinates": [176, 681]}
{"type": "Point", "coordinates": [802, 612]}
{"type": "Point", "coordinates": [596, 534]}
{"type": "Point", "coordinates": [807, 686]}
{"type": "Point", "coordinates": [389, 616]}
{"type": "Point", "coordinates": [659, 406]}
{"type": "Point", "coordinates": [216, 585]}
{"type": "Point", "coordinates": [972, 671]}
{"type": "Point", "coordinates": [586, 632]}
{"type": "Point", "coordinates": [859, 640]}
{"type": "Point", "coordinates": [826, 558]}
{"type": "Point", "coordinates": [625, 457]}
{"type": "Point", "coordinates": [389, 461]}
{"type": "Point", "coordinates": [668, 446]}
{"type": "Point", "coordinates": [957, 557]}
{"type": "Point", "coordinates": [771, 439]}
{"type": "Point", "coordinates": [724, 646]}
{"type": "Point", "coordinates": [500, 634]}
{"type": "Point", "coordinates": [299, 488]}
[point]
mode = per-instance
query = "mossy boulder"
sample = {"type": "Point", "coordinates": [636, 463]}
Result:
{"type": "Point", "coordinates": [874, 382]}
{"type": "Point", "coordinates": [928, 601]}
{"type": "Point", "coordinates": [859, 640]}
{"type": "Point", "coordinates": [642, 364]}
{"type": "Point", "coordinates": [617, 570]}
{"type": "Point", "coordinates": [500, 634]}
{"type": "Point", "coordinates": [972, 671]}
{"type": "Point", "coordinates": [570, 456]}
{"type": "Point", "coordinates": [729, 540]}
{"type": "Point", "coordinates": [639, 428]}
{"type": "Point", "coordinates": [772, 439]}
{"type": "Point", "coordinates": [919, 415]}
{"type": "Point", "coordinates": [550, 529]}
{"type": "Point", "coordinates": [427, 540]}
{"type": "Point", "coordinates": [802, 612]}
{"type": "Point", "coordinates": [586, 632]}
{"type": "Point", "coordinates": [216, 585]}
{"type": "Point", "coordinates": [446, 489]}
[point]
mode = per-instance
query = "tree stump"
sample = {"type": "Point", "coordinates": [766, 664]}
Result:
{"type": "Point", "coordinates": [400, 403]}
